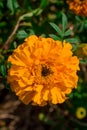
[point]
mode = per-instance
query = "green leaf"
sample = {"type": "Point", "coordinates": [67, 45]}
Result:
{"type": "Point", "coordinates": [43, 3]}
{"type": "Point", "coordinates": [16, 5]}
{"type": "Point", "coordinates": [31, 32]}
{"type": "Point", "coordinates": [22, 34]}
{"type": "Point", "coordinates": [70, 95]}
{"type": "Point", "coordinates": [57, 29]}
{"type": "Point", "coordinates": [3, 70]}
{"type": "Point", "coordinates": [54, 37]}
{"type": "Point", "coordinates": [74, 47]}
{"type": "Point", "coordinates": [2, 24]}
{"type": "Point", "coordinates": [64, 22]}
{"type": "Point", "coordinates": [1, 5]}
{"type": "Point", "coordinates": [15, 44]}
{"type": "Point", "coordinates": [68, 32]}
{"type": "Point", "coordinates": [10, 5]}
{"type": "Point", "coordinates": [72, 40]}
{"type": "Point", "coordinates": [78, 19]}
{"type": "Point", "coordinates": [83, 61]}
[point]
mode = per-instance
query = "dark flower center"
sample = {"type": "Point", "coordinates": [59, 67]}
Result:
{"type": "Point", "coordinates": [82, 112]}
{"type": "Point", "coordinates": [82, 0]}
{"type": "Point", "coordinates": [45, 71]}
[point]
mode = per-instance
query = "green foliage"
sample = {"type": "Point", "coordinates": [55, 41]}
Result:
{"type": "Point", "coordinates": [3, 70]}
{"type": "Point", "coordinates": [63, 33]}
{"type": "Point", "coordinates": [57, 29]}
{"type": "Point", "coordinates": [64, 22]}
{"type": "Point", "coordinates": [22, 34]}
{"type": "Point", "coordinates": [12, 5]}
{"type": "Point", "coordinates": [43, 4]}
{"type": "Point", "coordinates": [83, 61]}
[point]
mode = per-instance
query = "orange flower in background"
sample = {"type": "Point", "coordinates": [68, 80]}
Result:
{"type": "Point", "coordinates": [43, 70]}
{"type": "Point", "coordinates": [79, 7]}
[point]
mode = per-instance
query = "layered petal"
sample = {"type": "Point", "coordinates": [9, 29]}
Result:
{"type": "Point", "coordinates": [79, 7]}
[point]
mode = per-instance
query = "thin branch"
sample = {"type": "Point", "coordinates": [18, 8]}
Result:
{"type": "Point", "coordinates": [7, 43]}
{"type": "Point", "coordinates": [78, 122]}
{"type": "Point", "coordinates": [22, 17]}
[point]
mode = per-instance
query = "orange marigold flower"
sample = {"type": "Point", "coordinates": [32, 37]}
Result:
{"type": "Point", "coordinates": [79, 7]}
{"type": "Point", "coordinates": [43, 70]}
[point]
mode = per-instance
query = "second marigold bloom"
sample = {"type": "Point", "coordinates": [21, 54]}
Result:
{"type": "Point", "coordinates": [43, 70]}
{"type": "Point", "coordinates": [79, 7]}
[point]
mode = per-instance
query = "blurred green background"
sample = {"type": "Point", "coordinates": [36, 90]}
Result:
{"type": "Point", "coordinates": [48, 18]}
